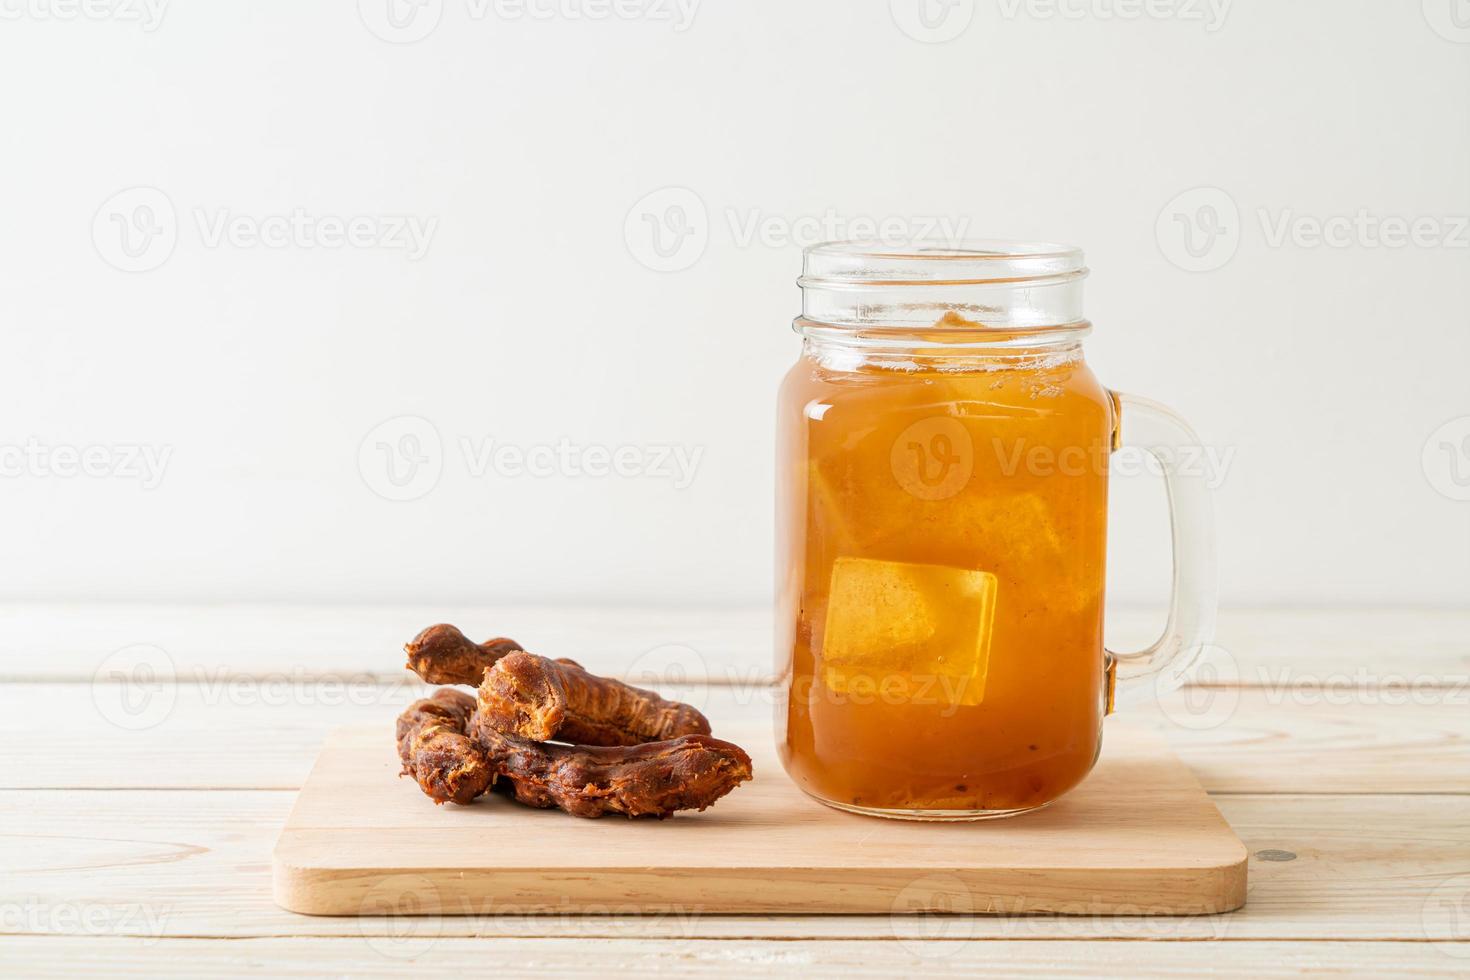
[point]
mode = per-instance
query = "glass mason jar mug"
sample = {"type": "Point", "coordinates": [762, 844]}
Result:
{"type": "Point", "coordinates": [942, 479]}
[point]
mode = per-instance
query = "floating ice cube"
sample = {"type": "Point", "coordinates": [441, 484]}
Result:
{"type": "Point", "coordinates": [908, 633]}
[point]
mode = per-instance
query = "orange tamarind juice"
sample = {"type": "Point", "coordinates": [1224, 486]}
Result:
{"type": "Point", "coordinates": [941, 529]}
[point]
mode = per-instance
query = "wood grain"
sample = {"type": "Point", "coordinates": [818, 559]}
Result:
{"type": "Point", "coordinates": [1250, 742]}
{"type": "Point", "coordinates": [1356, 709]}
{"type": "Point", "coordinates": [188, 863]}
{"type": "Point", "coordinates": [305, 957]}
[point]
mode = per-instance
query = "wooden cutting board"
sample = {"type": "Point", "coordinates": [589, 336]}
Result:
{"type": "Point", "coordinates": [1139, 837]}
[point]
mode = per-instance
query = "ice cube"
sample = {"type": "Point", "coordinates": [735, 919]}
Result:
{"type": "Point", "coordinates": [908, 633]}
{"type": "Point", "coordinates": [1020, 526]}
{"type": "Point", "coordinates": [1004, 533]}
{"type": "Point", "coordinates": [829, 511]}
{"type": "Point", "coordinates": [1023, 537]}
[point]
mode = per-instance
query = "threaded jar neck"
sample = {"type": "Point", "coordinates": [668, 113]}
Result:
{"type": "Point", "coordinates": [963, 294]}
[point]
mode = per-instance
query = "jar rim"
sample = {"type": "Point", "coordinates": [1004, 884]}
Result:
{"type": "Point", "coordinates": [990, 288]}
{"type": "Point", "coordinates": [961, 262]}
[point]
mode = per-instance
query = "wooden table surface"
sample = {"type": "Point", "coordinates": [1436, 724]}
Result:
{"type": "Point", "coordinates": [153, 752]}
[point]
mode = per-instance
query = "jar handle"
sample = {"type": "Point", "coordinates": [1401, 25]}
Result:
{"type": "Point", "coordinates": [1160, 667]}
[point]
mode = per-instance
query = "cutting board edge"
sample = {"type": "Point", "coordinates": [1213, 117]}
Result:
{"type": "Point", "coordinates": [407, 891]}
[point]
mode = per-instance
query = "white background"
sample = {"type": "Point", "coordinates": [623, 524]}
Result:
{"type": "Point", "coordinates": [1322, 371]}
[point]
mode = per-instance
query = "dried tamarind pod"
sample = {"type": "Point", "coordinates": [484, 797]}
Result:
{"type": "Point", "coordinates": [542, 699]}
{"type": "Point", "coordinates": [652, 779]}
{"type": "Point", "coordinates": [437, 751]}
{"type": "Point", "coordinates": [442, 654]}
